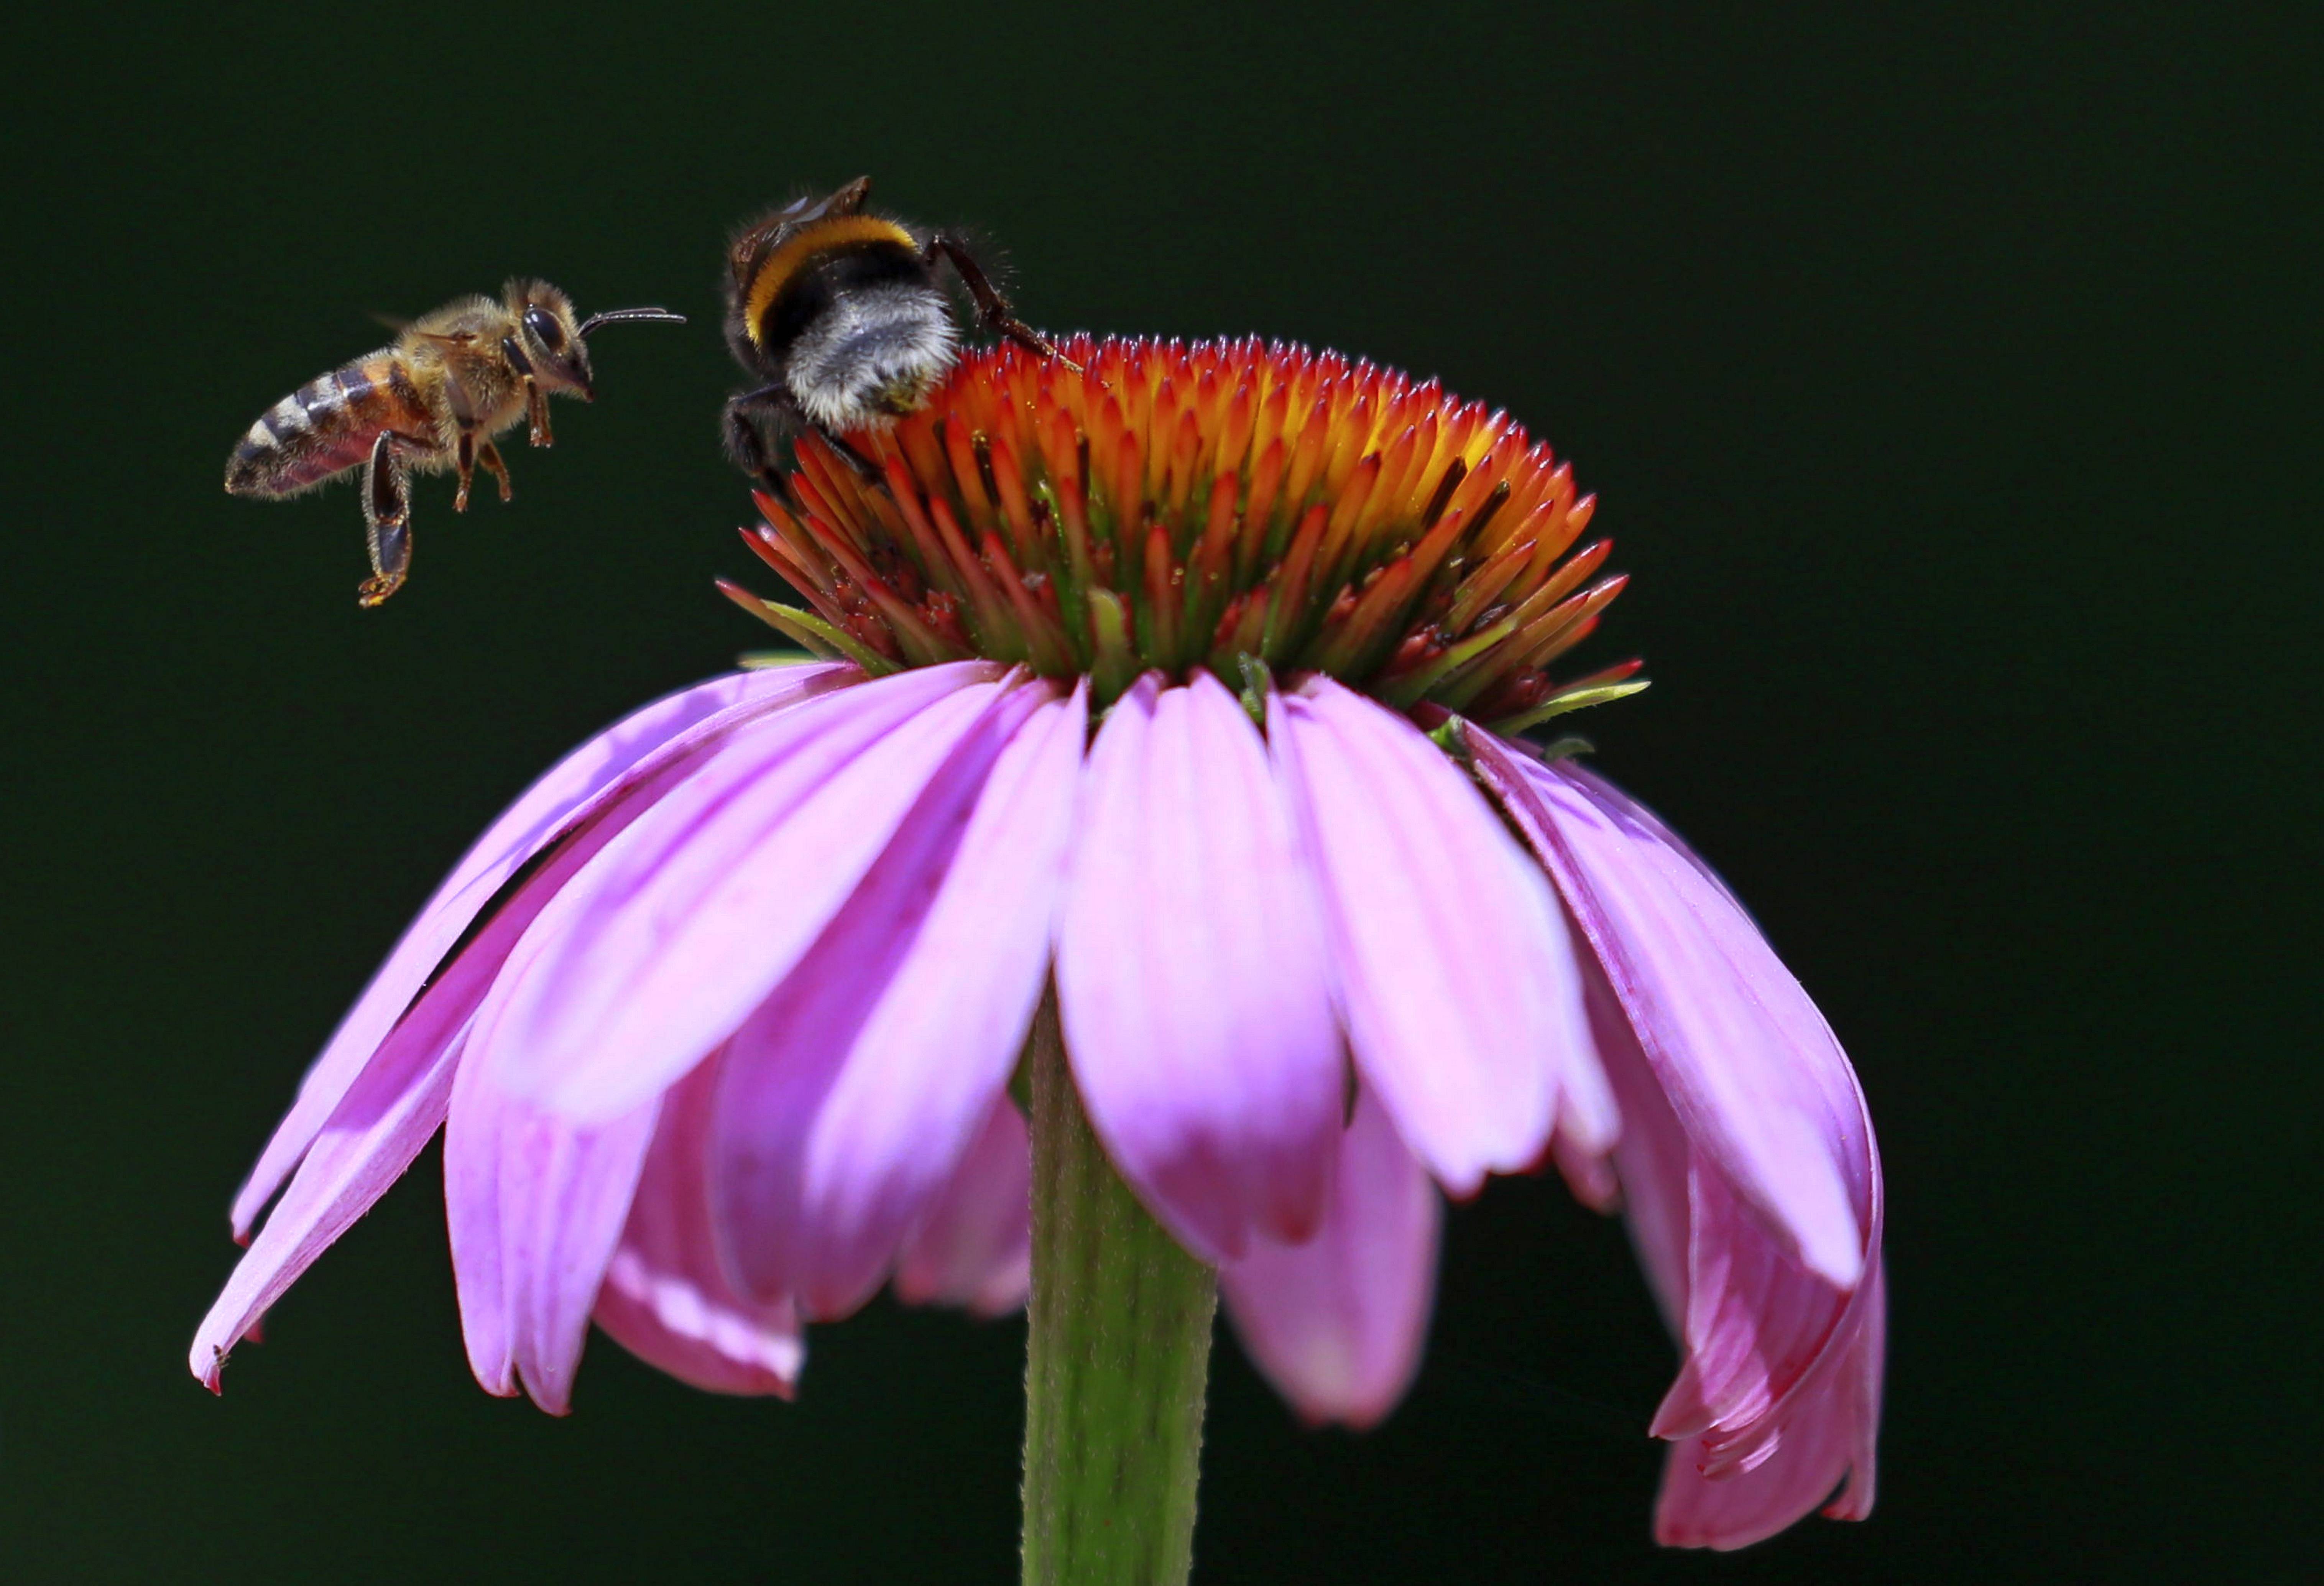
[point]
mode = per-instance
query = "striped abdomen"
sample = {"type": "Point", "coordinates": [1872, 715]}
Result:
{"type": "Point", "coordinates": [327, 426]}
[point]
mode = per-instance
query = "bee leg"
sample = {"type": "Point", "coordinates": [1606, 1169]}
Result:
{"type": "Point", "coordinates": [990, 306]}
{"type": "Point", "coordinates": [489, 455]}
{"type": "Point", "coordinates": [536, 400]}
{"type": "Point", "coordinates": [387, 519]}
{"type": "Point", "coordinates": [865, 468]}
{"type": "Point", "coordinates": [464, 460]}
{"type": "Point", "coordinates": [756, 422]}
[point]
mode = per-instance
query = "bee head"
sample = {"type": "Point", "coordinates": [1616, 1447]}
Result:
{"type": "Point", "coordinates": [551, 337]}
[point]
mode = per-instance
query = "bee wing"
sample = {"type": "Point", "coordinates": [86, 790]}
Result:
{"type": "Point", "coordinates": [754, 241]}
{"type": "Point", "coordinates": [391, 321]}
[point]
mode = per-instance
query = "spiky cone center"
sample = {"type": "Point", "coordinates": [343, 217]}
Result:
{"type": "Point", "coordinates": [1235, 505]}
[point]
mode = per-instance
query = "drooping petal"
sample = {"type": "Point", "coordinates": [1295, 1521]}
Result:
{"type": "Point", "coordinates": [1455, 969]}
{"type": "Point", "coordinates": [975, 1248]}
{"type": "Point", "coordinates": [1777, 1394]}
{"type": "Point", "coordinates": [657, 951]}
{"type": "Point", "coordinates": [1749, 1065]}
{"type": "Point", "coordinates": [1827, 1437]}
{"type": "Point", "coordinates": [852, 1093]}
{"type": "Point", "coordinates": [1757, 1322]}
{"type": "Point", "coordinates": [536, 1206]}
{"type": "Point", "coordinates": [399, 1093]}
{"type": "Point", "coordinates": [1651, 1157]}
{"type": "Point", "coordinates": [666, 1298]}
{"type": "Point", "coordinates": [1191, 974]}
{"type": "Point", "coordinates": [391, 1112]}
{"type": "Point", "coordinates": [472, 1215]}
{"type": "Point", "coordinates": [599, 772]}
{"type": "Point", "coordinates": [1337, 1323]}
{"type": "Point", "coordinates": [1865, 1373]}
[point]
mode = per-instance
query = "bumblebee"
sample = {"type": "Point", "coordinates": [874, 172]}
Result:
{"type": "Point", "coordinates": [434, 400]}
{"type": "Point", "coordinates": [839, 312]}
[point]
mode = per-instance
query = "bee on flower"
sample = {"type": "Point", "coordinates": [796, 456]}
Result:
{"type": "Point", "coordinates": [1162, 763]}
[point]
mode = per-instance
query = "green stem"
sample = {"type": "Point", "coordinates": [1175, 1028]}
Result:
{"type": "Point", "coordinates": [1117, 1353]}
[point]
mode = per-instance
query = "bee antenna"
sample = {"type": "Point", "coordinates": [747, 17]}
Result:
{"type": "Point", "coordinates": [615, 316]}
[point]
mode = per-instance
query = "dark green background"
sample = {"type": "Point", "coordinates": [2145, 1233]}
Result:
{"type": "Point", "coordinates": [1950, 383]}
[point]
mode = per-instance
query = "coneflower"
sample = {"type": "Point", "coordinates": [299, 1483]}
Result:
{"type": "Point", "coordinates": [1146, 896]}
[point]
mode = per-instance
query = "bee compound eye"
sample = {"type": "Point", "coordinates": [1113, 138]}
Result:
{"type": "Point", "coordinates": [543, 325]}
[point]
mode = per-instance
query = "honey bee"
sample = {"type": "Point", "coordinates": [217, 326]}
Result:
{"type": "Point", "coordinates": [452, 380]}
{"type": "Point", "coordinates": [839, 312]}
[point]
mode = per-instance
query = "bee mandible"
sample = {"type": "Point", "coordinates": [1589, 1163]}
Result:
{"type": "Point", "coordinates": [433, 400]}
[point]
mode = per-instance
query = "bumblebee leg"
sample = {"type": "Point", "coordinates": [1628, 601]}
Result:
{"type": "Point", "coordinates": [865, 468]}
{"type": "Point", "coordinates": [757, 423]}
{"type": "Point", "coordinates": [489, 455]}
{"type": "Point", "coordinates": [990, 306]}
{"type": "Point", "coordinates": [387, 519]}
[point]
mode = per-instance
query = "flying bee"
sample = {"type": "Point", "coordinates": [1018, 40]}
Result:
{"type": "Point", "coordinates": [839, 312]}
{"type": "Point", "coordinates": [452, 380]}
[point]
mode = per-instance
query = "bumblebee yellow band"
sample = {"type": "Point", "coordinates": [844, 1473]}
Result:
{"type": "Point", "coordinates": [822, 237]}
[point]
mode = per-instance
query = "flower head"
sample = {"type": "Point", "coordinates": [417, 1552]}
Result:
{"type": "Point", "coordinates": [1168, 686]}
{"type": "Point", "coordinates": [1142, 506]}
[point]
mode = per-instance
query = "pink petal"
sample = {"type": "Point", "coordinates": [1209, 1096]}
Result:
{"type": "Point", "coordinates": [399, 1094]}
{"type": "Point", "coordinates": [600, 770]}
{"type": "Point", "coordinates": [656, 954]}
{"type": "Point", "coordinates": [1651, 1159]}
{"type": "Point", "coordinates": [536, 1206]}
{"type": "Point", "coordinates": [975, 1250]}
{"type": "Point", "coordinates": [665, 1299]}
{"type": "Point", "coordinates": [1863, 1375]}
{"type": "Point", "coordinates": [1755, 1322]}
{"type": "Point", "coordinates": [394, 1105]}
{"type": "Point", "coordinates": [472, 1194]}
{"type": "Point", "coordinates": [1456, 972]}
{"type": "Point", "coordinates": [387, 1115]}
{"type": "Point", "coordinates": [1750, 1064]}
{"type": "Point", "coordinates": [1777, 1395]}
{"type": "Point", "coordinates": [1191, 975]}
{"type": "Point", "coordinates": [852, 1093]}
{"type": "Point", "coordinates": [1337, 1323]}
{"type": "Point", "coordinates": [1826, 1439]}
